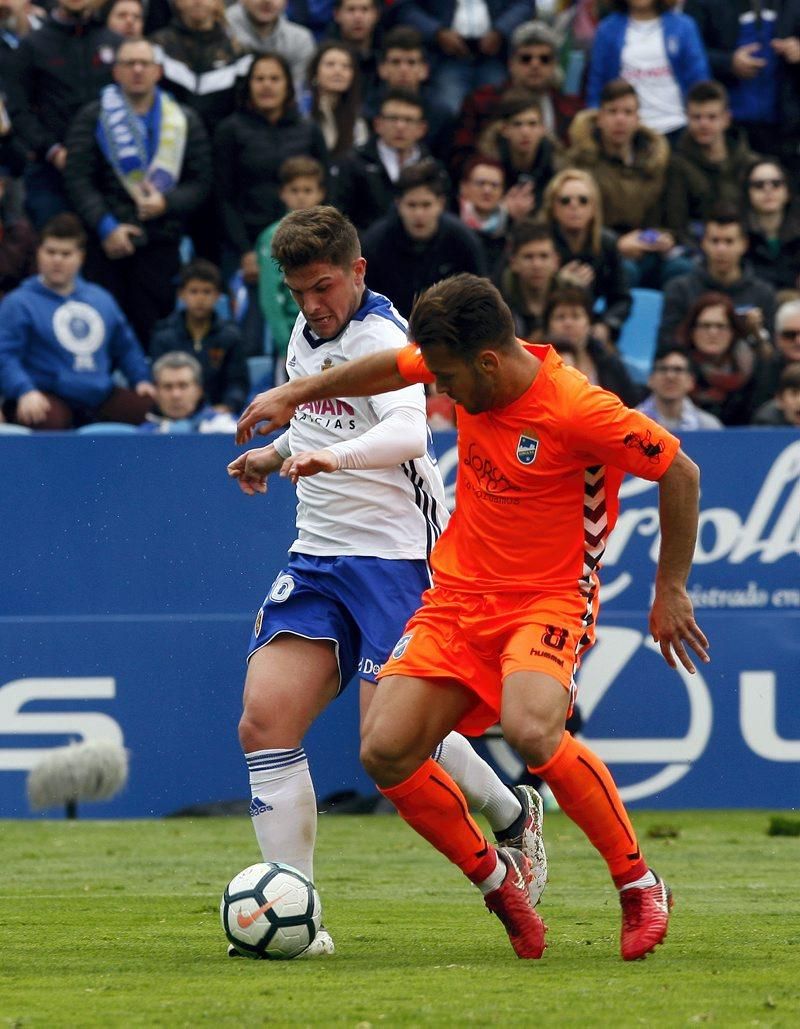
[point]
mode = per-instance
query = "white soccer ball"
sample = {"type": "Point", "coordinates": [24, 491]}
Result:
{"type": "Point", "coordinates": [271, 911]}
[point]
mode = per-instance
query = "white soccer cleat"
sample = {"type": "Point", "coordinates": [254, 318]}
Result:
{"type": "Point", "coordinates": [321, 946]}
{"type": "Point", "coordinates": [530, 840]}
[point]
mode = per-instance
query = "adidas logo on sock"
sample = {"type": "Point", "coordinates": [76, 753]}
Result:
{"type": "Point", "coordinates": [258, 807]}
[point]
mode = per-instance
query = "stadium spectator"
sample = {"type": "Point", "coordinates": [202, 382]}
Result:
{"type": "Point", "coordinates": [787, 351]}
{"type": "Point", "coordinates": [708, 163]}
{"type": "Point", "coordinates": [261, 27]}
{"type": "Point", "coordinates": [629, 162]}
{"type": "Point", "coordinates": [724, 245]}
{"type": "Point", "coordinates": [180, 403]}
{"type": "Point", "coordinates": [528, 280]}
{"type": "Point", "coordinates": [196, 328]}
{"type": "Point", "coordinates": [357, 23]}
{"type": "Point", "coordinates": [302, 187]}
{"type": "Point", "coordinates": [17, 20]}
{"type": "Point", "coordinates": [573, 210]}
{"type": "Point", "coordinates": [658, 50]}
{"type": "Point", "coordinates": [754, 51]}
{"type": "Point", "coordinates": [518, 140]}
{"type": "Point", "coordinates": [335, 84]}
{"type": "Point", "coordinates": [126, 18]}
{"type": "Point", "coordinates": [715, 340]}
{"type": "Point", "coordinates": [533, 65]}
{"type": "Point", "coordinates": [365, 183]}
{"type": "Point", "coordinates": [467, 41]}
{"type": "Point", "coordinates": [670, 383]}
{"type": "Point", "coordinates": [568, 315]}
{"type": "Point", "coordinates": [481, 206]}
{"type": "Point", "coordinates": [139, 165]}
{"type": "Point", "coordinates": [61, 340]}
{"type": "Point", "coordinates": [784, 408]}
{"type": "Point", "coordinates": [403, 64]}
{"type": "Point", "coordinates": [17, 244]}
{"type": "Point", "coordinates": [772, 217]}
{"type": "Point", "coordinates": [249, 148]}
{"type": "Point", "coordinates": [56, 69]}
{"type": "Point", "coordinates": [203, 67]}
{"type": "Point", "coordinates": [418, 243]}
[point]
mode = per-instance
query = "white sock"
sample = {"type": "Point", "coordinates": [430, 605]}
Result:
{"type": "Point", "coordinates": [495, 879]}
{"type": "Point", "coordinates": [284, 807]}
{"type": "Point", "coordinates": [479, 783]}
{"type": "Point", "coordinates": [648, 879]}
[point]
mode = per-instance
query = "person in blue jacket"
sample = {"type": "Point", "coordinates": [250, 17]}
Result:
{"type": "Point", "coordinates": [659, 51]}
{"type": "Point", "coordinates": [61, 340]}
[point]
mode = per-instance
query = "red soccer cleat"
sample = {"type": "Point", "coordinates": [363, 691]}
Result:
{"type": "Point", "coordinates": [511, 903]}
{"type": "Point", "coordinates": [645, 916]}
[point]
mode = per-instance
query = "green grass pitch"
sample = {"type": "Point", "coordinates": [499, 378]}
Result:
{"type": "Point", "coordinates": [116, 924]}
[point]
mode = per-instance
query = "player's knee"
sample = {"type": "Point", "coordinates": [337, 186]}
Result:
{"type": "Point", "coordinates": [386, 760]}
{"type": "Point", "coordinates": [535, 742]}
{"type": "Point", "coordinates": [260, 729]}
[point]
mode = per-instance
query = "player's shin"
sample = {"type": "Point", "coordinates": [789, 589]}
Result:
{"type": "Point", "coordinates": [585, 790]}
{"type": "Point", "coordinates": [283, 807]}
{"type": "Point", "coordinates": [433, 805]}
{"type": "Point", "coordinates": [478, 781]}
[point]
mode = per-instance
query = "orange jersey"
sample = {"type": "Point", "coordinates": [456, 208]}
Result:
{"type": "Point", "coordinates": [538, 481]}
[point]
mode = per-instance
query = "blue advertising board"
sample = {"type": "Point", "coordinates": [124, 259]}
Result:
{"type": "Point", "coordinates": [133, 567]}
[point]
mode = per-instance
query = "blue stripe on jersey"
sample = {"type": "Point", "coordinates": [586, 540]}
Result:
{"type": "Point", "coordinates": [426, 503]}
{"type": "Point", "coordinates": [372, 303]}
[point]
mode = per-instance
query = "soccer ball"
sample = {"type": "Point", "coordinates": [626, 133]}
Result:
{"type": "Point", "coordinates": [271, 911]}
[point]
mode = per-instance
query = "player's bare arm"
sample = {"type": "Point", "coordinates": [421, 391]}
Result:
{"type": "Point", "coordinates": [375, 373]}
{"type": "Point", "coordinates": [672, 621]}
{"type": "Point", "coordinates": [252, 469]}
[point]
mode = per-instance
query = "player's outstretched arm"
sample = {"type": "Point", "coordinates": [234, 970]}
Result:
{"type": "Point", "coordinates": [672, 621]}
{"type": "Point", "coordinates": [375, 373]}
{"type": "Point", "coordinates": [252, 468]}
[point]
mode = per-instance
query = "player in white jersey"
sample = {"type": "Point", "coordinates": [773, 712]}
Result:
{"type": "Point", "coordinates": [359, 564]}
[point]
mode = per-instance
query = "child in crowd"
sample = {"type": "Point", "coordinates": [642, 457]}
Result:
{"type": "Point", "coordinates": [527, 281]}
{"type": "Point", "coordinates": [784, 409]}
{"type": "Point", "coordinates": [302, 185]}
{"type": "Point", "coordinates": [197, 328]}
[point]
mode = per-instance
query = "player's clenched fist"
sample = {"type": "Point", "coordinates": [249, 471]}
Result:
{"type": "Point", "coordinates": [252, 468]}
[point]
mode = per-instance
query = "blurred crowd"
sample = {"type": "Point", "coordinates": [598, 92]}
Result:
{"type": "Point", "coordinates": [580, 153]}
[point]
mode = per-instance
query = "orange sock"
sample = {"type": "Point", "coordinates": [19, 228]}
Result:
{"type": "Point", "coordinates": [432, 804]}
{"type": "Point", "coordinates": [584, 789]}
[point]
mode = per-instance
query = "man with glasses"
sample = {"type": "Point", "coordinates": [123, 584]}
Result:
{"type": "Point", "coordinates": [532, 65]}
{"type": "Point", "coordinates": [724, 245]}
{"type": "Point", "coordinates": [787, 351]}
{"type": "Point", "coordinates": [671, 381]}
{"type": "Point", "coordinates": [139, 164]}
{"type": "Point", "coordinates": [364, 184]}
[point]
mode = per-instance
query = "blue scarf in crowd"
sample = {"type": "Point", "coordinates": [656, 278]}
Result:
{"type": "Point", "coordinates": [123, 139]}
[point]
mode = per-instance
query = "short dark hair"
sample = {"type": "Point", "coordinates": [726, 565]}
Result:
{"type": "Point", "coordinates": [789, 377]}
{"type": "Point", "coordinates": [403, 37]}
{"type": "Point", "coordinates": [568, 296]}
{"type": "Point", "coordinates": [708, 92]}
{"type": "Point", "coordinates": [528, 231]}
{"type": "Point", "coordinates": [301, 167]}
{"type": "Point", "coordinates": [616, 89]}
{"type": "Point", "coordinates": [403, 96]}
{"type": "Point", "coordinates": [464, 313]}
{"type": "Point", "coordinates": [516, 100]}
{"type": "Point", "coordinates": [318, 234]}
{"type": "Point", "coordinates": [621, 6]}
{"type": "Point", "coordinates": [427, 173]}
{"type": "Point", "coordinates": [724, 214]}
{"type": "Point", "coordinates": [66, 226]}
{"type": "Point", "coordinates": [481, 161]}
{"type": "Point", "coordinates": [200, 270]}
{"type": "Point", "coordinates": [667, 351]}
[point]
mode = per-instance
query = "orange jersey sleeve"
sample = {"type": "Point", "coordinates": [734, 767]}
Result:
{"type": "Point", "coordinates": [411, 365]}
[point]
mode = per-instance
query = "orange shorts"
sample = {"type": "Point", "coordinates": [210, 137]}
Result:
{"type": "Point", "coordinates": [479, 639]}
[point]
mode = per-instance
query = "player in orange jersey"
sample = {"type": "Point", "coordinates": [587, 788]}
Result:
{"type": "Point", "coordinates": [514, 602]}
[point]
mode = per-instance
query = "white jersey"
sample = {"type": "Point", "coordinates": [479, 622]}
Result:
{"type": "Point", "coordinates": [397, 512]}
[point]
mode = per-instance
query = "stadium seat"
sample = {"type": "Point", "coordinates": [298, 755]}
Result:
{"type": "Point", "coordinates": [637, 341]}
{"type": "Point", "coordinates": [106, 429]}
{"type": "Point", "coordinates": [14, 430]}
